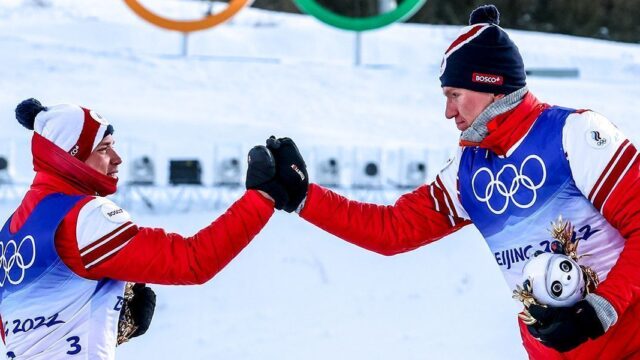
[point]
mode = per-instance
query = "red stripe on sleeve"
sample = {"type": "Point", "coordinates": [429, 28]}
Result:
{"type": "Point", "coordinates": [433, 197]}
{"type": "Point", "coordinates": [614, 176]}
{"type": "Point", "coordinates": [96, 243]}
{"type": "Point", "coordinates": [633, 162]}
{"type": "Point", "coordinates": [438, 196]}
{"type": "Point", "coordinates": [450, 205]}
{"type": "Point", "coordinates": [110, 248]}
{"type": "Point", "coordinates": [613, 160]}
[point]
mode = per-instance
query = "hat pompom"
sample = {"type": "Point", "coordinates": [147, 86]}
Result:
{"type": "Point", "coordinates": [485, 14]}
{"type": "Point", "coordinates": [27, 111]}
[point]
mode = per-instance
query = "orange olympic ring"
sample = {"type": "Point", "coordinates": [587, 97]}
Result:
{"type": "Point", "coordinates": [188, 25]}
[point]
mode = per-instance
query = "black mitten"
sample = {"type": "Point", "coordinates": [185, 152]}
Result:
{"type": "Point", "coordinates": [261, 175]}
{"type": "Point", "coordinates": [565, 328]}
{"type": "Point", "coordinates": [142, 305]}
{"type": "Point", "coordinates": [291, 170]}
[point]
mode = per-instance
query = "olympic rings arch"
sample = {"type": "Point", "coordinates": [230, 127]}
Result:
{"type": "Point", "coordinates": [188, 25]}
{"type": "Point", "coordinates": [400, 13]}
{"type": "Point", "coordinates": [404, 10]}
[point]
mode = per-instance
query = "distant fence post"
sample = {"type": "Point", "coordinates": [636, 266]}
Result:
{"type": "Point", "coordinates": [358, 49]}
{"type": "Point", "coordinates": [554, 72]}
{"type": "Point", "coordinates": [185, 44]}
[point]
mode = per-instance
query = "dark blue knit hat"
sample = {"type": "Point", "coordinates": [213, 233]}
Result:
{"type": "Point", "coordinates": [483, 58]}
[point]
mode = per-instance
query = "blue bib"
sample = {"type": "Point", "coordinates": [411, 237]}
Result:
{"type": "Point", "coordinates": [29, 254]}
{"type": "Point", "coordinates": [500, 191]}
{"type": "Point", "coordinates": [49, 312]}
{"type": "Point", "coordinates": [512, 200]}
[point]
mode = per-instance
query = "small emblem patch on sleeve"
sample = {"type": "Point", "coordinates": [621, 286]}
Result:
{"type": "Point", "coordinates": [598, 138]}
{"type": "Point", "coordinates": [447, 164]}
{"type": "Point", "coordinates": [114, 213]}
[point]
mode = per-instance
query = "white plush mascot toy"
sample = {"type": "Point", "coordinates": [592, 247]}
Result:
{"type": "Point", "coordinates": [555, 279]}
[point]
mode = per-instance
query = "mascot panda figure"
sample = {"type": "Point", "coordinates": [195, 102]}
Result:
{"type": "Point", "coordinates": [555, 279]}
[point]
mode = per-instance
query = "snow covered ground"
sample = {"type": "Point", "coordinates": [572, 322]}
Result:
{"type": "Point", "coordinates": [295, 292]}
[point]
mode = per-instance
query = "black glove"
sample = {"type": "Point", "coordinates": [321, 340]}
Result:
{"type": "Point", "coordinates": [291, 171]}
{"type": "Point", "coordinates": [261, 175]}
{"type": "Point", "coordinates": [565, 328]}
{"type": "Point", "coordinates": [142, 307]}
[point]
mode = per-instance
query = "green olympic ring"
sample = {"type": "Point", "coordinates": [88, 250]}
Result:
{"type": "Point", "coordinates": [400, 13]}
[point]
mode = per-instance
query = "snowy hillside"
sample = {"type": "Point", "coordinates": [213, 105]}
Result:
{"type": "Point", "coordinates": [295, 292]}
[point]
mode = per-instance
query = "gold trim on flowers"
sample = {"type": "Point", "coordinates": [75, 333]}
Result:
{"type": "Point", "coordinates": [524, 294]}
{"type": "Point", "coordinates": [126, 324]}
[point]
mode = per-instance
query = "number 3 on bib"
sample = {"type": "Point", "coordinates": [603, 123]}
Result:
{"type": "Point", "coordinates": [73, 343]}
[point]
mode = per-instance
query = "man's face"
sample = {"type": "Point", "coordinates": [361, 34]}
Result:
{"type": "Point", "coordinates": [104, 158]}
{"type": "Point", "coordinates": [464, 105]}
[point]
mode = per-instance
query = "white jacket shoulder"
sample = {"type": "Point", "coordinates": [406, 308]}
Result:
{"type": "Point", "coordinates": [102, 229]}
{"type": "Point", "coordinates": [594, 147]}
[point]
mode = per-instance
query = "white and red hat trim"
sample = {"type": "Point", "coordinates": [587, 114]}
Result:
{"type": "Point", "coordinates": [72, 128]}
{"type": "Point", "coordinates": [467, 34]}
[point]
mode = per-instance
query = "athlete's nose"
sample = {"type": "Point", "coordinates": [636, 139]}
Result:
{"type": "Point", "coordinates": [450, 111]}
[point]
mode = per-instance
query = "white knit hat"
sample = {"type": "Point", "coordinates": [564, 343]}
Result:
{"type": "Point", "coordinates": [72, 128]}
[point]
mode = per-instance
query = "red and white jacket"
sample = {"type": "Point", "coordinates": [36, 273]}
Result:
{"type": "Point", "coordinates": [102, 247]}
{"type": "Point", "coordinates": [98, 239]}
{"type": "Point", "coordinates": [607, 178]}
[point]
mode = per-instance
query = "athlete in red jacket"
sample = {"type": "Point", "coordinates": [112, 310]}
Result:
{"type": "Point", "coordinates": [520, 164]}
{"type": "Point", "coordinates": [100, 247]}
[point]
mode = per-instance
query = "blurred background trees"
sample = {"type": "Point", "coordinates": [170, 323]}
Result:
{"type": "Point", "coordinates": [603, 19]}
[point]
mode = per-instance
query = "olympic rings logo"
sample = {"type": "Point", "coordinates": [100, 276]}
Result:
{"type": "Point", "coordinates": [520, 179]}
{"type": "Point", "coordinates": [15, 259]}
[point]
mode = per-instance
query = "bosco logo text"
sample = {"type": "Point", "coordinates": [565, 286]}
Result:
{"type": "Point", "coordinates": [487, 79]}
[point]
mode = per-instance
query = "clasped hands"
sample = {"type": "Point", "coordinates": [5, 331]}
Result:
{"type": "Point", "coordinates": [278, 170]}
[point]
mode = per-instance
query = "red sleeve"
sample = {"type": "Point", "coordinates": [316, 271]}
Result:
{"type": "Point", "coordinates": [412, 222]}
{"type": "Point", "coordinates": [154, 256]}
{"type": "Point", "coordinates": [622, 209]}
